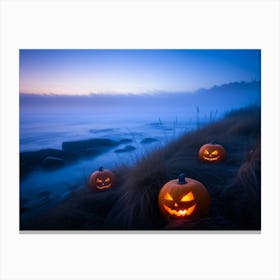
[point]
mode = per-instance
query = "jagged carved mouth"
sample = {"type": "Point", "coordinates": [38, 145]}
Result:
{"type": "Point", "coordinates": [211, 159]}
{"type": "Point", "coordinates": [104, 186]}
{"type": "Point", "coordinates": [180, 212]}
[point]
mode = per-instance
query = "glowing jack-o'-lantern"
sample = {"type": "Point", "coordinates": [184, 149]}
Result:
{"type": "Point", "coordinates": [184, 198]}
{"type": "Point", "coordinates": [102, 179]}
{"type": "Point", "coordinates": [212, 153]}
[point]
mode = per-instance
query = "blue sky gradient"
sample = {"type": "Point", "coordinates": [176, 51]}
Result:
{"type": "Point", "coordinates": [81, 72]}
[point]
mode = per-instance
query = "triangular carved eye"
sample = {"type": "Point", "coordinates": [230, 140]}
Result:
{"type": "Point", "coordinates": [215, 153]}
{"type": "Point", "coordinates": [98, 180]}
{"type": "Point", "coordinates": [107, 180]}
{"type": "Point", "coordinates": [188, 197]}
{"type": "Point", "coordinates": [167, 196]}
{"type": "Point", "coordinates": [206, 152]}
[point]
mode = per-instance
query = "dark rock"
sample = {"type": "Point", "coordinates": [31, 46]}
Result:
{"type": "Point", "coordinates": [52, 162]}
{"type": "Point", "coordinates": [23, 170]}
{"type": "Point", "coordinates": [125, 140]}
{"type": "Point", "coordinates": [45, 158]}
{"type": "Point", "coordinates": [92, 152]}
{"type": "Point", "coordinates": [148, 140]}
{"type": "Point", "coordinates": [127, 148]}
{"type": "Point", "coordinates": [71, 151]}
{"type": "Point", "coordinates": [36, 157]}
{"type": "Point", "coordinates": [82, 147]}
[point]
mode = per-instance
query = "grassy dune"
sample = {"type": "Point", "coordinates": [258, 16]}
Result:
{"type": "Point", "coordinates": [234, 185]}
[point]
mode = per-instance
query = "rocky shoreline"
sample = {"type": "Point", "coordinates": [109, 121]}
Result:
{"type": "Point", "coordinates": [72, 151]}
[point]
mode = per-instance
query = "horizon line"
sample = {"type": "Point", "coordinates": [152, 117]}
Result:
{"type": "Point", "coordinates": [148, 92]}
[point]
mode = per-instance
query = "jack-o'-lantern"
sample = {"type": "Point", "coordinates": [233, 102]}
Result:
{"type": "Point", "coordinates": [184, 198]}
{"type": "Point", "coordinates": [102, 179]}
{"type": "Point", "coordinates": [212, 153]}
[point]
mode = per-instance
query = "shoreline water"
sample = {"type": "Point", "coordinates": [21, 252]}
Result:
{"type": "Point", "coordinates": [49, 175]}
{"type": "Point", "coordinates": [238, 133]}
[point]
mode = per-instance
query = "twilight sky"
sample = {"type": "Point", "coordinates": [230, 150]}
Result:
{"type": "Point", "coordinates": [80, 72]}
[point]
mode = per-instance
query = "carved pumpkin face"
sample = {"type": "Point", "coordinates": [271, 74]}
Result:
{"type": "Point", "coordinates": [102, 179]}
{"type": "Point", "coordinates": [184, 198]}
{"type": "Point", "coordinates": [212, 153]}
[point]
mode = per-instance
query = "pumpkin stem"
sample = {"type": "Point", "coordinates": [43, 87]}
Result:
{"type": "Point", "coordinates": [101, 169]}
{"type": "Point", "coordinates": [181, 179]}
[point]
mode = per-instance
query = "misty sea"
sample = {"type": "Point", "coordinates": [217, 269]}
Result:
{"type": "Point", "coordinates": [142, 132]}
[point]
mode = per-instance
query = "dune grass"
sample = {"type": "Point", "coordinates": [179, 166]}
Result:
{"type": "Point", "coordinates": [234, 185]}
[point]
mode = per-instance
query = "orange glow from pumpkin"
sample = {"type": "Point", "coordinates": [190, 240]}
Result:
{"type": "Point", "coordinates": [188, 197]}
{"type": "Point", "coordinates": [104, 184]}
{"type": "Point", "coordinates": [215, 153]}
{"type": "Point", "coordinates": [213, 156]}
{"type": "Point", "coordinates": [167, 196]}
{"type": "Point", "coordinates": [104, 187]}
{"type": "Point", "coordinates": [181, 212]}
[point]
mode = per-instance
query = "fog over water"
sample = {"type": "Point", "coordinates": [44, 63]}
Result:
{"type": "Point", "coordinates": [46, 121]}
